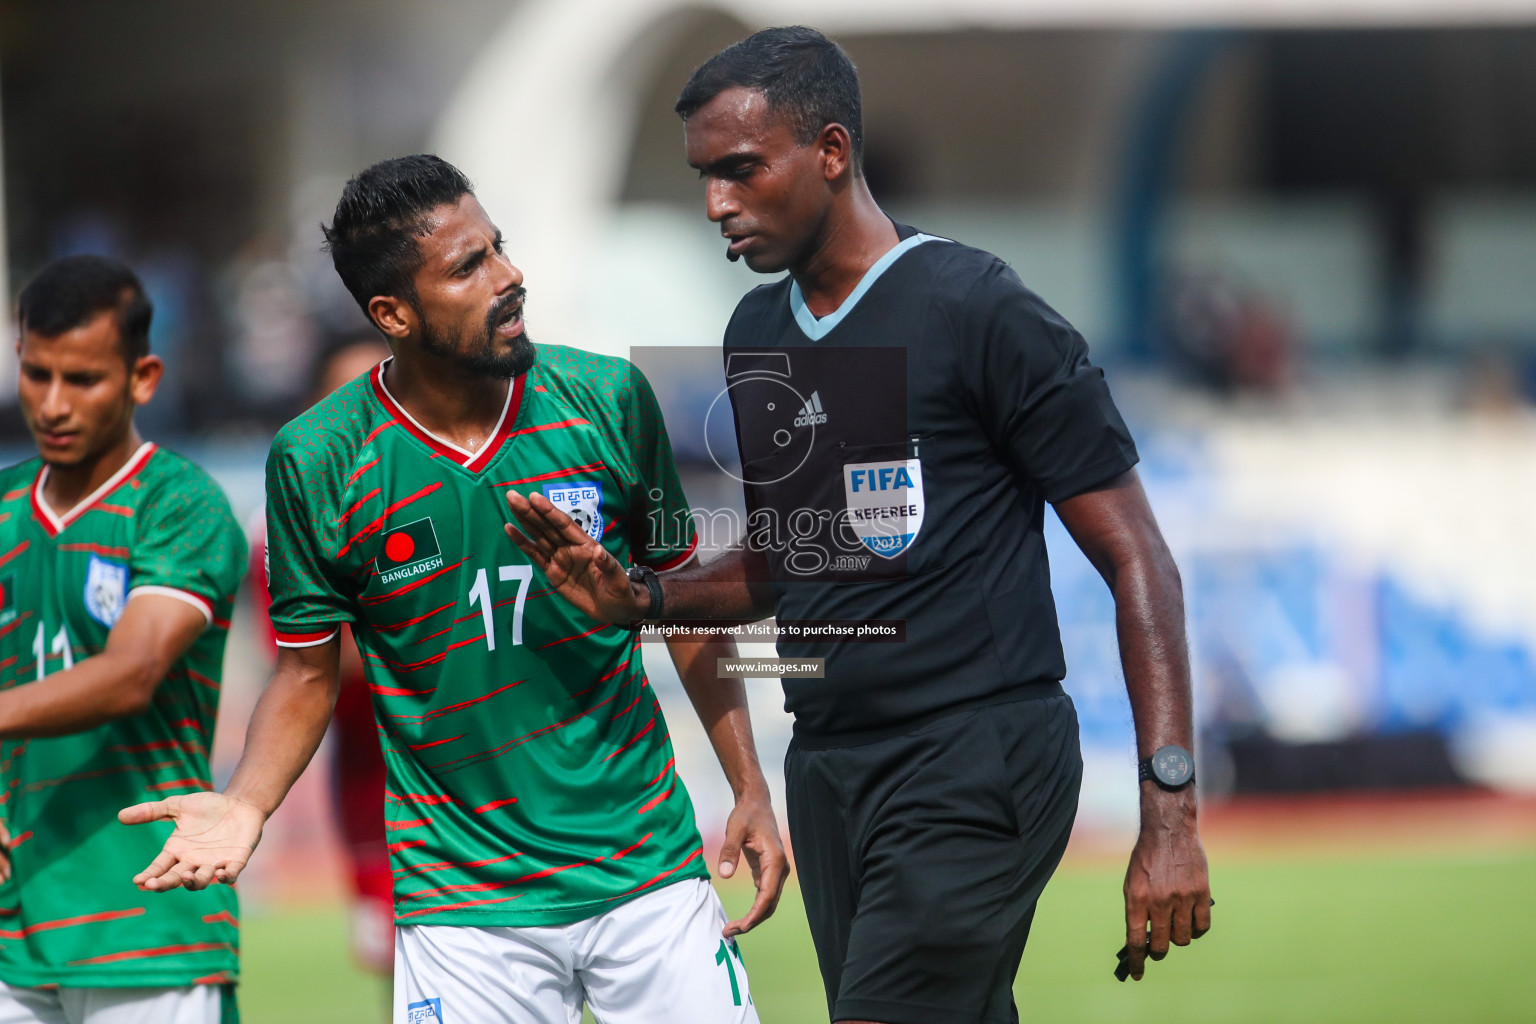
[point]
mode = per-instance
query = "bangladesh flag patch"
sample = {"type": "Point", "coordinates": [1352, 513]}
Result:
{"type": "Point", "coordinates": [409, 550]}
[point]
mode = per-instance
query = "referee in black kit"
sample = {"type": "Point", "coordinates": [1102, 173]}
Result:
{"type": "Point", "coordinates": [909, 398]}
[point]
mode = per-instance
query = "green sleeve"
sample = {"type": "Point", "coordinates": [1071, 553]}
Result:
{"type": "Point", "coordinates": [188, 541]}
{"type": "Point", "coordinates": [308, 602]}
{"type": "Point", "coordinates": [663, 534]}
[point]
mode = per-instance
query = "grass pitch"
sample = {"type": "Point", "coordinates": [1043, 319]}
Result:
{"type": "Point", "coordinates": [1356, 939]}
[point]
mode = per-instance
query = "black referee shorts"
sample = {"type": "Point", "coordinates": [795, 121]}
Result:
{"type": "Point", "coordinates": [921, 858]}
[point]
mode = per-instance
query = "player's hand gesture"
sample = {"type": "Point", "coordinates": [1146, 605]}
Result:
{"type": "Point", "coordinates": [1167, 887]}
{"type": "Point", "coordinates": [753, 831]}
{"type": "Point", "coordinates": [579, 568]}
{"type": "Point", "coordinates": [214, 838]}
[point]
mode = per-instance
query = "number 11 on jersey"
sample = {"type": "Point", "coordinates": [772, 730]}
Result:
{"type": "Point", "coordinates": [60, 647]}
{"type": "Point", "coordinates": [480, 594]}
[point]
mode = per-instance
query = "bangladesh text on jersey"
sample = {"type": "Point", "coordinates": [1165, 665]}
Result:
{"type": "Point", "coordinates": [531, 775]}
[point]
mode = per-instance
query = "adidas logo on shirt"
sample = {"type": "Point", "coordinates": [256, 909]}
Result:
{"type": "Point", "coordinates": [811, 415]}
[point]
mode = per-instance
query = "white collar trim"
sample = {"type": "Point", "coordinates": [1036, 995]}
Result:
{"type": "Point", "coordinates": [469, 456]}
{"type": "Point", "coordinates": [59, 522]}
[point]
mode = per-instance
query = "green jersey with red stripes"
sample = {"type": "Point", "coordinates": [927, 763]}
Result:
{"type": "Point", "coordinates": [530, 770]}
{"type": "Point", "coordinates": [70, 914]}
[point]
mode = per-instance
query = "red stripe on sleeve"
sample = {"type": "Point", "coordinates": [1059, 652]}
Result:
{"type": "Point", "coordinates": [306, 638]}
{"type": "Point", "coordinates": [676, 560]}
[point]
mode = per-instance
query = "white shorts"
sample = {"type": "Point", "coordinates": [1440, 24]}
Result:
{"type": "Point", "coordinates": [189, 1004]}
{"type": "Point", "coordinates": [658, 959]}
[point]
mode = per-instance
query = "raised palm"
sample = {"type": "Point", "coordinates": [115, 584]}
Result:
{"type": "Point", "coordinates": [579, 568]}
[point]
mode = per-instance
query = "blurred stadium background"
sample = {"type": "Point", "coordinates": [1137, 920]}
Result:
{"type": "Point", "coordinates": [1300, 236]}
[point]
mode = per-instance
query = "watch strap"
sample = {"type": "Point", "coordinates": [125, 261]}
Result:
{"type": "Point", "coordinates": [645, 574]}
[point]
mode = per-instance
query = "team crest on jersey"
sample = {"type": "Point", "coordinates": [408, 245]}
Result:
{"type": "Point", "coordinates": [106, 587]}
{"type": "Point", "coordinates": [428, 1011]}
{"type": "Point", "coordinates": [7, 598]}
{"type": "Point", "coordinates": [582, 500]}
{"type": "Point", "coordinates": [885, 503]}
{"type": "Point", "coordinates": [409, 550]}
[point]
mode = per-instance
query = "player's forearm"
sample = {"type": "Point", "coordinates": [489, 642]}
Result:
{"type": "Point", "coordinates": [285, 731]}
{"type": "Point", "coordinates": [1149, 620]}
{"type": "Point", "coordinates": [721, 705]}
{"type": "Point", "coordinates": [97, 690]}
{"type": "Point", "coordinates": [152, 632]}
{"type": "Point", "coordinates": [1114, 525]}
{"type": "Point", "coordinates": [732, 587]}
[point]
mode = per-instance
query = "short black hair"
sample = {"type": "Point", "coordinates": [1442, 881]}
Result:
{"type": "Point", "coordinates": [806, 78]}
{"type": "Point", "coordinates": [70, 291]}
{"type": "Point", "coordinates": [382, 211]}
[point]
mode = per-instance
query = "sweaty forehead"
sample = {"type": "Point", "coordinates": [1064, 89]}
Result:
{"type": "Point", "coordinates": [455, 231]}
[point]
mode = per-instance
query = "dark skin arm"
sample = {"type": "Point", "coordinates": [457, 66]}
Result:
{"type": "Point", "coordinates": [732, 587]}
{"type": "Point", "coordinates": [217, 832]}
{"type": "Point", "coordinates": [1167, 887]}
{"type": "Point", "coordinates": [751, 829]}
{"type": "Point", "coordinates": [144, 643]}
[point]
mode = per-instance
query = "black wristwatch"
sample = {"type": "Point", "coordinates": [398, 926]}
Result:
{"type": "Point", "coordinates": [645, 574]}
{"type": "Point", "coordinates": [1171, 767]}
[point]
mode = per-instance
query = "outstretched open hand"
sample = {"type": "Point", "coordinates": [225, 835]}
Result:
{"type": "Point", "coordinates": [214, 838]}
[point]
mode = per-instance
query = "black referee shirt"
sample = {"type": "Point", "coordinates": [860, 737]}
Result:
{"type": "Point", "coordinates": [897, 455]}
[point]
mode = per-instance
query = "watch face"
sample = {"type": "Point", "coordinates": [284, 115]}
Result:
{"type": "Point", "coordinates": [1172, 766]}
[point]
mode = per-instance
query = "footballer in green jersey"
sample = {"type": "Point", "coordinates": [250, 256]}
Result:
{"type": "Point", "coordinates": [544, 849]}
{"type": "Point", "coordinates": [530, 775]}
{"type": "Point", "coordinates": [119, 562]}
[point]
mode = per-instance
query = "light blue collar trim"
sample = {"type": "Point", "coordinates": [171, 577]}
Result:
{"type": "Point", "coordinates": [817, 329]}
